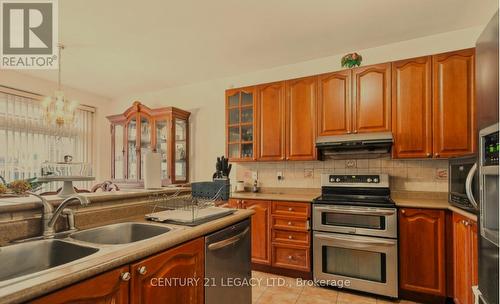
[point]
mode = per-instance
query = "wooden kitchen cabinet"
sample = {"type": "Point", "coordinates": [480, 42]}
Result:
{"type": "Point", "coordinates": [334, 103]}
{"type": "Point", "coordinates": [454, 122]}
{"type": "Point", "coordinates": [422, 251]}
{"type": "Point", "coordinates": [371, 105]}
{"type": "Point", "coordinates": [412, 108]}
{"type": "Point", "coordinates": [109, 287]}
{"type": "Point", "coordinates": [240, 124]}
{"type": "Point", "coordinates": [300, 118]}
{"type": "Point", "coordinates": [271, 121]}
{"type": "Point", "coordinates": [140, 129]}
{"type": "Point", "coordinates": [186, 261]}
{"type": "Point", "coordinates": [464, 259]}
{"type": "Point", "coordinates": [261, 250]}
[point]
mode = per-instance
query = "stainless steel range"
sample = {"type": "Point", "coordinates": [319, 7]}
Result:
{"type": "Point", "coordinates": [355, 234]}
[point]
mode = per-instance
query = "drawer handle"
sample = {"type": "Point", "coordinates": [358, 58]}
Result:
{"type": "Point", "coordinates": [290, 237]}
{"type": "Point", "coordinates": [290, 209]}
{"type": "Point", "coordinates": [142, 270]}
{"type": "Point", "coordinates": [289, 223]}
{"type": "Point", "coordinates": [290, 257]}
{"type": "Point", "coordinates": [125, 276]}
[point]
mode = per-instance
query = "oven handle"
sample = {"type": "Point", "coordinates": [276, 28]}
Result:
{"type": "Point", "coordinates": [355, 241]}
{"type": "Point", "coordinates": [360, 212]}
{"type": "Point", "coordinates": [468, 185]}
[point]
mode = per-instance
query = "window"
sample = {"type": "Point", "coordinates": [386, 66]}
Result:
{"type": "Point", "coordinates": [26, 141]}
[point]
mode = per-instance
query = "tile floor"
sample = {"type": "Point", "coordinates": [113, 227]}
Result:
{"type": "Point", "coordinates": [287, 291]}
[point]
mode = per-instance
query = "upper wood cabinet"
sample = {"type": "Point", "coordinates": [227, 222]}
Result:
{"type": "Point", "coordinates": [422, 251]}
{"type": "Point", "coordinates": [141, 129]}
{"type": "Point", "coordinates": [412, 108]}
{"type": "Point", "coordinates": [372, 98]}
{"type": "Point", "coordinates": [454, 120]}
{"type": "Point", "coordinates": [240, 124]}
{"type": "Point", "coordinates": [300, 118]}
{"type": "Point", "coordinates": [186, 261]}
{"type": "Point", "coordinates": [105, 288]}
{"type": "Point", "coordinates": [464, 259]}
{"type": "Point", "coordinates": [334, 103]}
{"type": "Point", "coordinates": [271, 121]}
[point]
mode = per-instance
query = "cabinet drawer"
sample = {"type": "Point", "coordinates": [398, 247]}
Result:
{"type": "Point", "coordinates": [291, 256]}
{"type": "Point", "coordinates": [290, 223]}
{"type": "Point", "coordinates": [291, 208]}
{"type": "Point", "coordinates": [291, 237]}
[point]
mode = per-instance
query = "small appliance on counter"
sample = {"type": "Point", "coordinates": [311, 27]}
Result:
{"type": "Point", "coordinates": [462, 183]}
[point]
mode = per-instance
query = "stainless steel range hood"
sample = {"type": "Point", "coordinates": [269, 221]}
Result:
{"type": "Point", "coordinates": [364, 145]}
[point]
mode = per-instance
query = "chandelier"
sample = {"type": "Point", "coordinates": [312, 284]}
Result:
{"type": "Point", "coordinates": [57, 109]}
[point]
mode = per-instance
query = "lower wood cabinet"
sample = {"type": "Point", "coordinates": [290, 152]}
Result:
{"type": "Point", "coordinates": [422, 251]}
{"type": "Point", "coordinates": [281, 237]}
{"type": "Point", "coordinates": [183, 262]}
{"type": "Point", "coordinates": [464, 259]}
{"type": "Point", "coordinates": [109, 287]}
{"type": "Point", "coordinates": [135, 283]}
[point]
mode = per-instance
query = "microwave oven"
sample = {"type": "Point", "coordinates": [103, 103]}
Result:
{"type": "Point", "coordinates": [462, 183]}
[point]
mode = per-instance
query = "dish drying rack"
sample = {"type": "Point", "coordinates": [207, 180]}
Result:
{"type": "Point", "coordinates": [193, 209]}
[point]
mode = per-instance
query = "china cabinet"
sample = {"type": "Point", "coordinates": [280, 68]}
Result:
{"type": "Point", "coordinates": [139, 130]}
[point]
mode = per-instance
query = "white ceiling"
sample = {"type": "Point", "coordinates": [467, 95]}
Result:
{"type": "Point", "coordinates": [116, 47]}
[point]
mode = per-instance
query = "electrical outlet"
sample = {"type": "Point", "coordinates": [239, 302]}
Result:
{"type": "Point", "coordinates": [255, 176]}
{"type": "Point", "coordinates": [308, 173]}
{"type": "Point", "coordinates": [279, 175]}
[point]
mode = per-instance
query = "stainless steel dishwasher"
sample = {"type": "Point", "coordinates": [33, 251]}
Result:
{"type": "Point", "coordinates": [228, 266]}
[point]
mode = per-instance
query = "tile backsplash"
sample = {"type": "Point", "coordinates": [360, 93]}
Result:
{"type": "Point", "coordinates": [409, 175]}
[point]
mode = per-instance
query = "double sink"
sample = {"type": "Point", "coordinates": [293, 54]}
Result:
{"type": "Point", "coordinates": [32, 257]}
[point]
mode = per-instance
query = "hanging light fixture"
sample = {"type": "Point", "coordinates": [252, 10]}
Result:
{"type": "Point", "coordinates": [57, 109]}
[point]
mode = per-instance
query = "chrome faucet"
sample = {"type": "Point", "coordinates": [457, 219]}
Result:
{"type": "Point", "coordinates": [50, 216]}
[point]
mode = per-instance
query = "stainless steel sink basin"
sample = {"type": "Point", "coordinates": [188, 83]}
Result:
{"type": "Point", "coordinates": [31, 257]}
{"type": "Point", "coordinates": [122, 233]}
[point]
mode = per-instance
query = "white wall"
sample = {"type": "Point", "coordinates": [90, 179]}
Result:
{"type": "Point", "coordinates": [102, 142]}
{"type": "Point", "coordinates": [206, 100]}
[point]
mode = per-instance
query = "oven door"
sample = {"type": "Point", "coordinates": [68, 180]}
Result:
{"type": "Point", "coordinates": [362, 263]}
{"type": "Point", "coordinates": [372, 221]}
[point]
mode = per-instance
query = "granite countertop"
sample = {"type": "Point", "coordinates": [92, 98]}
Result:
{"type": "Point", "coordinates": [108, 257]}
{"type": "Point", "coordinates": [409, 199]}
{"type": "Point", "coordinates": [15, 204]}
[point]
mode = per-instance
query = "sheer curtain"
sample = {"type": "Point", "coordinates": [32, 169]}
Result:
{"type": "Point", "coordinates": [26, 141]}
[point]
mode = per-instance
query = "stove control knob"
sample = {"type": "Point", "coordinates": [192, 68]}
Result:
{"type": "Point", "coordinates": [337, 180]}
{"type": "Point", "coordinates": [369, 180]}
{"type": "Point", "coordinates": [375, 180]}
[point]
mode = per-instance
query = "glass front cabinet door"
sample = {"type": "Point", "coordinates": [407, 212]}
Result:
{"type": "Point", "coordinates": [240, 124]}
{"type": "Point", "coordinates": [140, 130]}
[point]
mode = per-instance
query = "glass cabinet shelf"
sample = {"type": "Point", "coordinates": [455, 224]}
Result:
{"type": "Point", "coordinates": [139, 130]}
{"type": "Point", "coordinates": [240, 124]}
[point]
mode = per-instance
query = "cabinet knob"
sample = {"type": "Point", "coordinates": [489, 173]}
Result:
{"type": "Point", "coordinates": [290, 209]}
{"type": "Point", "coordinates": [125, 276]}
{"type": "Point", "coordinates": [290, 237]}
{"type": "Point", "coordinates": [289, 223]}
{"type": "Point", "coordinates": [142, 270]}
{"type": "Point", "coordinates": [348, 132]}
{"type": "Point", "coordinates": [355, 131]}
{"type": "Point", "coordinates": [428, 154]}
{"type": "Point", "coordinates": [290, 257]}
{"type": "Point", "coordinates": [436, 154]}
{"type": "Point", "coordinates": [403, 211]}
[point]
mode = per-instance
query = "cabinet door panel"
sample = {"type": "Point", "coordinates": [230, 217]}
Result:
{"type": "Point", "coordinates": [454, 121]}
{"type": "Point", "coordinates": [411, 108]}
{"type": "Point", "coordinates": [372, 98]}
{"type": "Point", "coordinates": [334, 103]}
{"type": "Point", "coordinates": [301, 119]}
{"type": "Point", "coordinates": [261, 232]}
{"type": "Point", "coordinates": [271, 121]}
{"type": "Point", "coordinates": [421, 251]}
{"type": "Point", "coordinates": [461, 256]}
{"type": "Point", "coordinates": [102, 289]}
{"type": "Point", "coordinates": [183, 262]}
